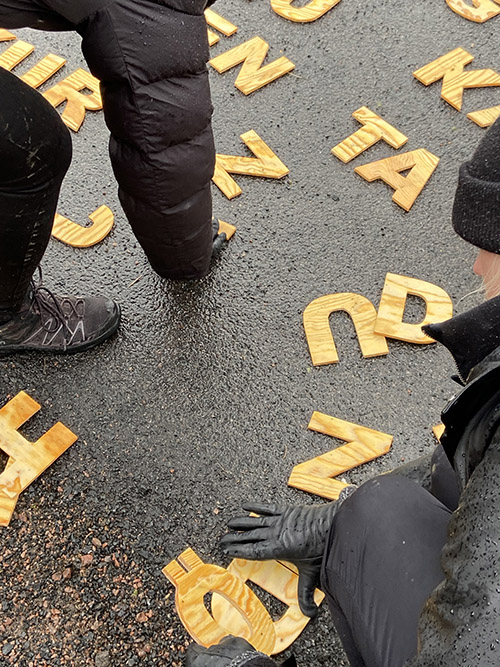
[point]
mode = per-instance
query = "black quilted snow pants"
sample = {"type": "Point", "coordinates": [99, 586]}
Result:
{"type": "Point", "coordinates": [35, 153]}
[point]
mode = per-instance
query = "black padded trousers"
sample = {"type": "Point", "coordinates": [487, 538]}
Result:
{"type": "Point", "coordinates": [381, 563]}
{"type": "Point", "coordinates": [35, 153]}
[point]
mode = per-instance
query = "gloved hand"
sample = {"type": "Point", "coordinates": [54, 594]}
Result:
{"type": "Point", "coordinates": [230, 652]}
{"type": "Point", "coordinates": [295, 533]}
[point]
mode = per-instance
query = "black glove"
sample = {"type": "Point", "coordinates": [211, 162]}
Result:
{"type": "Point", "coordinates": [230, 652]}
{"type": "Point", "coordinates": [295, 533]}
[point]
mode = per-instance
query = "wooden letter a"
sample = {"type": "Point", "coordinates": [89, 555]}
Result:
{"type": "Point", "coordinates": [252, 55]}
{"type": "Point", "coordinates": [421, 163]}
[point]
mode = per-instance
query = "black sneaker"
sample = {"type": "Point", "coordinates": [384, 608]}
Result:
{"type": "Point", "coordinates": [59, 324]}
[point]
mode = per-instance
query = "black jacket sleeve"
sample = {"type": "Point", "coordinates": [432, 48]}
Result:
{"type": "Point", "coordinates": [460, 620]}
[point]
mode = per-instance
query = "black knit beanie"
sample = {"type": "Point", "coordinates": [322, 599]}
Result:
{"type": "Point", "coordinates": [476, 209]}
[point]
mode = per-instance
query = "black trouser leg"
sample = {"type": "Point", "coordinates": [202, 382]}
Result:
{"type": "Point", "coordinates": [381, 563]}
{"type": "Point", "coordinates": [35, 153]}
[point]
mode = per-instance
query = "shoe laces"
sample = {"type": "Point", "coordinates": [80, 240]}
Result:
{"type": "Point", "coordinates": [45, 302]}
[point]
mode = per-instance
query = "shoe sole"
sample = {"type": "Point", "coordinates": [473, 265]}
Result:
{"type": "Point", "coordinates": [74, 349]}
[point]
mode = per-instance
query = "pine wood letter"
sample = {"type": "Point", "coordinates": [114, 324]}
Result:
{"type": "Point", "coordinates": [421, 164]}
{"type": "Point", "coordinates": [252, 54]}
{"type": "Point", "coordinates": [15, 54]}
{"type": "Point", "coordinates": [219, 23]}
{"type": "Point", "coordinates": [83, 237]}
{"type": "Point", "coordinates": [265, 164]}
{"type": "Point", "coordinates": [193, 579]}
{"type": "Point", "coordinates": [278, 579]}
{"type": "Point", "coordinates": [392, 306]}
{"type": "Point", "coordinates": [77, 103]}
{"type": "Point", "coordinates": [480, 10]}
{"type": "Point", "coordinates": [319, 335]}
{"type": "Point", "coordinates": [450, 68]}
{"type": "Point", "coordinates": [306, 14]}
{"type": "Point", "coordinates": [364, 444]}
{"type": "Point", "coordinates": [485, 117]}
{"type": "Point", "coordinates": [27, 460]}
{"type": "Point", "coordinates": [374, 128]}
{"type": "Point", "coordinates": [43, 70]}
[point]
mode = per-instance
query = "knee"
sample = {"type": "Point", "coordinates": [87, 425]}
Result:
{"type": "Point", "coordinates": [375, 502]}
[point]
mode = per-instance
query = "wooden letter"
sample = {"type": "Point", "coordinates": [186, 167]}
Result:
{"type": "Point", "coordinates": [319, 335]}
{"type": "Point", "coordinates": [392, 306]}
{"type": "Point", "coordinates": [15, 54]}
{"type": "Point", "coordinates": [227, 229]}
{"type": "Point", "coordinates": [265, 165]}
{"type": "Point", "coordinates": [374, 128]}
{"type": "Point", "coordinates": [364, 444]}
{"type": "Point", "coordinates": [481, 10]}
{"type": "Point", "coordinates": [193, 579]}
{"type": "Point", "coordinates": [77, 103]}
{"type": "Point", "coordinates": [485, 117]}
{"type": "Point", "coordinates": [219, 23]}
{"type": "Point", "coordinates": [310, 12]}
{"type": "Point", "coordinates": [83, 237]}
{"type": "Point", "coordinates": [421, 163]}
{"type": "Point", "coordinates": [438, 431]}
{"type": "Point", "coordinates": [27, 460]}
{"type": "Point", "coordinates": [450, 68]}
{"type": "Point", "coordinates": [252, 54]}
{"type": "Point", "coordinates": [6, 36]}
{"type": "Point", "coordinates": [42, 72]}
{"type": "Point", "coordinates": [278, 579]}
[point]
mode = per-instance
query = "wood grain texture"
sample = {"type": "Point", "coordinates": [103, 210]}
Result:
{"type": "Point", "coordinates": [227, 229]}
{"type": "Point", "coordinates": [6, 36]}
{"type": "Point", "coordinates": [221, 24]}
{"type": "Point", "coordinates": [251, 55]}
{"type": "Point", "coordinates": [213, 37]}
{"type": "Point", "coordinates": [484, 117]}
{"type": "Point", "coordinates": [421, 164]}
{"type": "Point", "coordinates": [450, 68]}
{"type": "Point", "coordinates": [43, 70]}
{"type": "Point", "coordinates": [319, 336]}
{"type": "Point", "coordinates": [77, 103]}
{"type": "Point", "coordinates": [474, 10]}
{"type": "Point", "coordinates": [265, 164]}
{"type": "Point", "coordinates": [364, 444]}
{"type": "Point", "coordinates": [312, 11]}
{"type": "Point", "coordinates": [27, 460]}
{"type": "Point", "coordinates": [392, 306]}
{"type": "Point", "coordinates": [275, 578]}
{"type": "Point", "coordinates": [15, 54]}
{"type": "Point", "coordinates": [438, 431]}
{"type": "Point", "coordinates": [83, 237]}
{"type": "Point", "coordinates": [374, 129]}
{"type": "Point", "coordinates": [193, 579]}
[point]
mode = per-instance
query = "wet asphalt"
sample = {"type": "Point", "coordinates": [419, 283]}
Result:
{"type": "Point", "coordinates": [202, 399]}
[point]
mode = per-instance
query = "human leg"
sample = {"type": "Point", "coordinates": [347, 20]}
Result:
{"type": "Point", "coordinates": [381, 562]}
{"type": "Point", "coordinates": [35, 152]}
